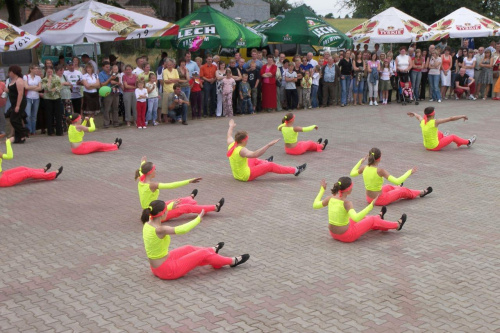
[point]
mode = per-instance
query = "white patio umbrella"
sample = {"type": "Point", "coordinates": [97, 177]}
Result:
{"type": "Point", "coordinates": [390, 26]}
{"type": "Point", "coordinates": [14, 39]}
{"type": "Point", "coordinates": [462, 23]}
{"type": "Point", "coordinates": [95, 22]}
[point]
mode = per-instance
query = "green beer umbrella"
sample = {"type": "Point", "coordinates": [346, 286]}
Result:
{"type": "Point", "coordinates": [215, 28]}
{"type": "Point", "coordinates": [301, 26]}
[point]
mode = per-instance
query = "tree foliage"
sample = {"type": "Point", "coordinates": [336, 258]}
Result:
{"type": "Point", "coordinates": [278, 7]}
{"type": "Point", "coordinates": [329, 15]}
{"type": "Point", "coordinates": [427, 11]}
{"type": "Point", "coordinates": [226, 4]}
{"type": "Point", "coordinates": [300, 3]}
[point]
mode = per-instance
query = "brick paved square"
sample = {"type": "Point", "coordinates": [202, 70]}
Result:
{"type": "Point", "coordinates": [73, 258]}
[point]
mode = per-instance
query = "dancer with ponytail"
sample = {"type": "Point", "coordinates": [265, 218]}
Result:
{"type": "Point", "coordinates": [14, 176]}
{"type": "Point", "coordinates": [435, 140]}
{"type": "Point", "coordinates": [76, 131]}
{"type": "Point", "coordinates": [291, 134]}
{"type": "Point", "coordinates": [245, 164]}
{"type": "Point", "coordinates": [373, 177]}
{"type": "Point", "coordinates": [346, 225]}
{"type": "Point", "coordinates": [178, 262]}
{"type": "Point", "coordinates": [150, 191]}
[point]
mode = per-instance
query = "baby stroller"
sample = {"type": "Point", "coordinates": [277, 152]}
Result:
{"type": "Point", "coordinates": [405, 89]}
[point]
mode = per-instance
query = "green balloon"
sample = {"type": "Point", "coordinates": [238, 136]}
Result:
{"type": "Point", "coordinates": [104, 91]}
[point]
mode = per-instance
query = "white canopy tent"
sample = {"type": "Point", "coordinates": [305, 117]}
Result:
{"type": "Point", "coordinates": [390, 26]}
{"type": "Point", "coordinates": [462, 23]}
{"type": "Point", "coordinates": [13, 38]}
{"type": "Point", "coordinates": [95, 22]}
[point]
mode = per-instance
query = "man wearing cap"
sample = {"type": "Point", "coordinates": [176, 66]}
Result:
{"type": "Point", "coordinates": [86, 60]}
{"type": "Point", "coordinates": [74, 76]}
{"type": "Point", "coordinates": [111, 101]}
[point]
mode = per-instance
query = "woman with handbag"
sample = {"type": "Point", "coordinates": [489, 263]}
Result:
{"type": "Point", "coordinates": [17, 110]}
{"type": "Point", "coordinates": [359, 74]}
{"type": "Point", "coordinates": [219, 75]}
{"type": "Point", "coordinates": [52, 96]}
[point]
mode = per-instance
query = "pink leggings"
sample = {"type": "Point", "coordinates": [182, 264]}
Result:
{"type": "Point", "coordinates": [187, 206]}
{"type": "Point", "coordinates": [260, 167]}
{"type": "Point", "coordinates": [92, 146]}
{"type": "Point", "coordinates": [356, 229]}
{"type": "Point", "coordinates": [183, 259]}
{"type": "Point", "coordinates": [303, 146]}
{"type": "Point", "coordinates": [446, 140]}
{"type": "Point", "coordinates": [393, 193]}
{"type": "Point", "coordinates": [14, 176]}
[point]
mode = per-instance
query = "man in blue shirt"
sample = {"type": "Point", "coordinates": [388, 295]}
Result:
{"type": "Point", "coordinates": [190, 64]}
{"type": "Point", "coordinates": [330, 74]}
{"type": "Point", "coordinates": [258, 63]}
{"type": "Point", "coordinates": [111, 101]}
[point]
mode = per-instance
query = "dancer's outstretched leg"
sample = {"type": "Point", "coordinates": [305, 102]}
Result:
{"type": "Point", "coordinates": [184, 259]}
{"type": "Point", "coordinates": [303, 146]}
{"type": "Point", "coordinates": [392, 193]}
{"type": "Point", "coordinates": [93, 146]}
{"type": "Point", "coordinates": [15, 176]}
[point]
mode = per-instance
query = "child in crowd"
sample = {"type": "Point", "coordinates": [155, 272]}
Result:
{"type": "Point", "coordinates": [152, 88]}
{"type": "Point", "coordinates": [254, 80]}
{"type": "Point", "coordinates": [115, 89]}
{"type": "Point", "coordinates": [385, 81]}
{"type": "Point", "coordinates": [407, 91]}
{"type": "Point", "coordinates": [291, 89]}
{"type": "Point", "coordinates": [228, 85]}
{"type": "Point", "coordinates": [246, 96]}
{"type": "Point", "coordinates": [196, 84]}
{"type": "Point", "coordinates": [306, 89]}
{"type": "Point", "coordinates": [315, 86]}
{"type": "Point", "coordinates": [141, 94]}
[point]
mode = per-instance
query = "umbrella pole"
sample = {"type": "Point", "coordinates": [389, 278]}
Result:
{"type": "Point", "coordinates": [95, 54]}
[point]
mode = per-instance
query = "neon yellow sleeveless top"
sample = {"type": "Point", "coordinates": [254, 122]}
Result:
{"type": "Point", "coordinates": [239, 165]}
{"type": "Point", "coordinates": [289, 135]}
{"type": "Point", "coordinates": [430, 133]}
{"type": "Point", "coordinates": [337, 215]}
{"type": "Point", "coordinates": [9, 154]}
{"type": "Point", "coordinates": [74, 136]}
{"type": "Point", "coordinates": [156, 248]}
{"type": "Point", "coordinates": [146, 196]}
{"type": "Point", "coordinates": [373, 182]}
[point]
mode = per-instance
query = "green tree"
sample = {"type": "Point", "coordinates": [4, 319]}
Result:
{"type": "Point", "coordinates": [278, 7]}
{"type": "Point", "coordinates": [226, 4]}
{"type": "Point", "coordinates": [427, 11]}
{"type": "Point", "coordinates": [300, 3]}
{"type": "Point", "coordinates": [14, 7]}
{"type": "Point", "coordinates": [329, 15]}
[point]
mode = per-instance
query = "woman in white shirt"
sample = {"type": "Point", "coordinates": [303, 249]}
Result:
{"type": "Point", "coordinates": [403, 65]}
{"type": "Point", "coordinates": [219, 75]}
{"type": "Point", "coordinates": [434, 65]}
{"type": "Point", "coordinates": [91, 83]}
{"type": "Point", "coordinates": [32, 84]}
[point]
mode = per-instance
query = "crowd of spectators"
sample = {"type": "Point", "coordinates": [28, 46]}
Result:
{"type": "Point", "coordinates": [211, 88]}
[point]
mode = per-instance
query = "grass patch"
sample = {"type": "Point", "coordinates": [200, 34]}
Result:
{"type": "Point", "coordinates": [344, 25]}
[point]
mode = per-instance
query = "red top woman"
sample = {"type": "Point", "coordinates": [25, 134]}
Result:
{"type": "Point", "coordinates": [268, 75]}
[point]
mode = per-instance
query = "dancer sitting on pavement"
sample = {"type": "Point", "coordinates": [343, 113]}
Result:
{"type": "Point", "coordinates": [76, 131]}
{"type": "Point", "coordinates": [373, 177]}
{"type": "Point", "coordinates": [245, 163]}
{"type": "Point", "coordinates": [178, 262]}
{"type": "Point", "coordinates": [16, 175]}
{"type": "Point", "coordinates": [150, 191]}
{"type": "Point", "coordinates": [345, 224]}
{"type": "Point", "coordinates": [434, 139]}
{"type": "Point", "coordinates": [291, 134]}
